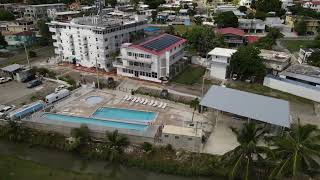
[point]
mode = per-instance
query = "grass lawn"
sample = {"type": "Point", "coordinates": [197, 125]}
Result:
{"type": "Point", "coordinates": [266, 91]}
{"type": "Point", "coordinates": [191, 75]}
{"type": "Point", "coordinates": [295, 45]}
{"type": "Point", "coordinates": [12, 168]}
{"type": "Point", "coordinates": [181, 29]}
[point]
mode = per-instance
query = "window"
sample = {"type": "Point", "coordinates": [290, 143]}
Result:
{"type": "Point", "coordinates": [176, 137]}
{"type": "Point", "coordinates": [190, 139]}
{"type": "Point", "coordinates": [166, 135]}
{"type": "Point", "coordinates": [129, 53]}
{"type": "Point", "coordinates": [96, 39]}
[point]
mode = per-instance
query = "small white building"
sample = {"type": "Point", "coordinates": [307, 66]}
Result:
{"type": "Point", "coordinates": [186, 138]}
{"type": "Point", "coordinates": [252, 25]}
{"type": "Point", "coordinates": [314, 5]}
{"type": "Point", "coordinates": [41, 10]}
{"type": "Point", "coordinates": [246, 3]}
{"type": "Point", "coordinates": [219, 59]}
{"type": "Point", "coordinates": [304, 53]}
{"type": "Point", "coordinates": [156, 59]}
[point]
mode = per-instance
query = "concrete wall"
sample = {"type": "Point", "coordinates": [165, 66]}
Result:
{"type": "Point", "coordinates": [293, 87]}
{"type": "Point", "coordinates": [189, 143]}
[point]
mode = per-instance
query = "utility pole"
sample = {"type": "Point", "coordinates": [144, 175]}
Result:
{"type": "Point", "coordinates": [25, 50]}
{"type": "Point", "coordinates": [98, 84]}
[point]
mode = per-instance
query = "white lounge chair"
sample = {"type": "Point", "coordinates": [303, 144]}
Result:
{"type": "Point", "coordinates": [160, 105]}
{"type": "Point", "coordinates": [134, 99]}
{"type": "Point", "coordinates": [129, 98]}
{"type": "Point", "coordinates": [125, 97]}
{"type": "Point", "coordinates": [164, 106]}
{"type": "Point", "coordinates": [151, 102]}
{"type": "Point", "coordinates": [137, 100]}
{"type": "Point", "coordinates": [155, 104]}
{"type": "Point", "coordinates": [145, 102]}
{"type": "Point", "coordinates": [142, 101]}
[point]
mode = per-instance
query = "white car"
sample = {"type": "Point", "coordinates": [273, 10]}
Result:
{"type": "Point", "coordinates": [5, 79]}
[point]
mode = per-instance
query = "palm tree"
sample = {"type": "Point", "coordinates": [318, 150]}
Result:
{"type": "Point", "coordinates": [116, 144]}
{"type": "Point", "coordinates": [298, 151]}
{"type": "Point", "coordinates": [241, 160]}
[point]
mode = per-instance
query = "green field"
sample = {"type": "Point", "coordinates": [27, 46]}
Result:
{"type": "Point", "coordinates": [295, 45]}
{"type": "Point", "coordinates": [189, 76]}
{"type": "Point", "coordinates": [12, 168]}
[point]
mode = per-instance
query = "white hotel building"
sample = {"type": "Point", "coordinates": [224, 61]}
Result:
{"type": "Point", "coordinates": [157, 59]}
{"type": "Point", "coordinates": [90, 41]}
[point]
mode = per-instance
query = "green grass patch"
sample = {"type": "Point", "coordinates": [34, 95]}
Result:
{"type": "Point", "coordinates": [295, 45]}
{"type": "Point", "coordinates": [266, 91]}
{"type": "Point", "coordinates": [13, 168]}
{"type": "Point", "coordinates": [191, 75]}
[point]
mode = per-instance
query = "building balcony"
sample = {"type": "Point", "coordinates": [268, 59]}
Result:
{"type": "Point", "coordinates": [120, 64]}
{"type": "Point", "coordinates": [55, 44]}
{"type": "Point", "coordinates": [217, 60]}
{"type": "Point", "coordinates": [51, 29]}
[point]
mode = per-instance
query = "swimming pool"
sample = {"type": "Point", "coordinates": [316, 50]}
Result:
{"type": "Point", "coordinates": [124, 114]}
{"type": "Point", "coordinates": [94, 121]}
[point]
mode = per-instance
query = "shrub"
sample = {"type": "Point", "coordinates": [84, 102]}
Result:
{"type": "Point", "coordinates": [32, 54]}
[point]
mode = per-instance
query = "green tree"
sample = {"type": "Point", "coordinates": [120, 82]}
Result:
{"type": "Point", "coordinates": [241, 159]}
{"type": "Point", "coordinates": [247, 63]}
{"type": "Point", "coordinates": [314, 59]}
{"type": "Point", "coordinates": [112, 3]}
{"type": "Point", "coordinates": [243, 9]}
{"type": "Point", "coordinates": [154, 4]}
{"type": "Point", "coordinates": [297, 151]}
{"type": "Point", "coordinates": [270, 6]}
{"type": "Point", "coordinates": [6, 15]}
{"type": "Point", "coordinates": [269, 40]}
{"type": "Point", "coordinates": [300, 27]}
{"type": "Point", "coordinates": [32, 54]}
{"type": "Point", "coordinates": [81, 133]}
{"type": "Point", "coordinates": [3, 42]}
{"type": "Point", "coordinates": [260, 15]}
{"type": "Point", "coordinates": [203, 39]}
{"type": "Point", "coordinates": [226, 19]}
{"type": "Point", "coordinates": [116, 144]}
{"type": "Point", "coordinates": [198, 20]}
{"type": "Point", "coordinates": [44, 32]}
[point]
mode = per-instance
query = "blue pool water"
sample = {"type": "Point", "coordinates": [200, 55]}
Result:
{"type": "Point", "coordinates": [124, 114]}
{"type": "Point", "coordinates": [93, 121]}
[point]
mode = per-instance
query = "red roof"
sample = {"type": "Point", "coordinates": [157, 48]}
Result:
{"type": "Point", "coordinates": [159, 51]}
{"type": "Point", "coordinates": [313, 2]}
{"type": "Point", "coordinates": [252, 39]}
{"type": "Point", "coordinates": [231, 30]}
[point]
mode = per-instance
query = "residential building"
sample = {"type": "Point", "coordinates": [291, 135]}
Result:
{"type": "Point", "coordinates": [232, 36]}
{"type": "Point", "coordinates": [41, 10]}
{"type": "Point", "coordinates": [63, 16]}
{"type": "Point", "coordinates": [20, 38]}
{"type": "Point", "coordinates": [90, 41]}
{"type": "Point", "coordinates": [311, 23]}
{"type": "Point", "coordinates": [157, 59]}
{"type": "Point", "coordinates": [314, 5]}
{"type": "Point", "coordinates": [277, 22]}
{"type": "Point", "coordinates": [225, 8]}
{"type": "Point", "coordinates": [186, 138]}
{"type": "Point", "coordinates": [252, 25]}
{"type": "Point", "coordinates": [304, 53]}
{"type": "Point", "coordinates": [298, 79]}
{"type": "Point", "coordinates": [219, 60]}
{"type": "Point", "coordinates": [275, 61]}
{"type": "Point", "coordinates": [16, 8]}
{"type": "Point", "coordinates": [17, 26]}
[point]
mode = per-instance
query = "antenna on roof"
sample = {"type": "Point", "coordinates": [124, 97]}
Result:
{"type": "Point", "coordinates": [99, 7]}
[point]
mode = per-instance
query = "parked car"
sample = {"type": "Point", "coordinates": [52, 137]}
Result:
{"type": "Point", "coordinates": [4, 110]}
{"type": "Point", "coordinates": [28, 78]}
{"type": "Point", "coordinates": [34, 83]}
{"type": "Point", "coordinates": [5, 79]}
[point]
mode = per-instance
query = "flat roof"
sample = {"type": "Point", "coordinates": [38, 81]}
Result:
{"type": "Point", "coordinates": [253, 106]}
{"type": "Point", "coordinates": [11, 68]}
{"type": "Point", "coordinates": [303, 72]}
{"type": "Point", "coordinates": [274, 55]}
{"type": "Point", "coordinates": [179, 130]}
{"type": "Point", "coordinates": [222, 52]}
{"type": "Point", "coordinates": [160, 44]}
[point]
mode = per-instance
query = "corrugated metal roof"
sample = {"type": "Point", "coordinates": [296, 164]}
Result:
{"type": "Point", "coordinates": [262, 108]}
{"type": "Point", "coordinates": [11, 68]}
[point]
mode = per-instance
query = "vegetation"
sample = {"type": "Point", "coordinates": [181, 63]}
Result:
{"type": "Point", "coordinates": [6, 15]}
{"type": "Point", "coordinates": [314, 59]}
{"type": "Point", "coordinates": [44, 32]}
{"type": "Point", "coordinates": [154, 4]}
{"type": "Point", "coordinates": [32, 54]}
{"type": "Point", "coordinates": [44, 72]}
{"type": "Point", "coordinates": [190, 75]}
{"type": "Point", "coordinates": [247, 63]}
{"type": "Point", "coordinates": [70, 81]}
{"type": "Point", "coordinates": [295, 45]}
{"type": "Point", "coordinates": [243, 9]}
{"type": "Point", "coordinates": [269, 6]}
{"type": "Point", "coordinates": [226, 19]}
{"type": "Point", "coordinates": [306, 12]}
{"type": "Point", "coordinates": [116, 144]}
{"type": "Point", "coordinates": [3, 42]}
{"type": "Point", "coordinates": [203, 39]}
{"type": "Point", "coordinates": [269, 40]}
{"type": "Point", "coordinates": [300, 27]}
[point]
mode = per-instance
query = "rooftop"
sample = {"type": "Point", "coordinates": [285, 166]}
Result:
{"type": "Point", "coordinates": [185, 131]}
{"type": "Point", "coordinates": [304, 70]}
{"type": "Point", "coordinates": [274, 55]}
{"type": "Point", "coordinates": [43, 5]}
{"type": "Point", "coordinates": [67, 13]}
{"type": "Point", "coordinates": [11, 68]}
{"type": "Point", "coordinates": [249, 105]}
{"type": "Point", "coordinates": [231, 30]}
{"type": "Point", "coordinates": [222, 52]}
{"type": "Point", "coordinates": [160, 44]}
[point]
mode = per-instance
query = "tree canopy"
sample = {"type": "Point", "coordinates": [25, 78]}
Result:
{"type": "Point", "coordinates": [6, 15]}
{"type": "Point", "coordinates": [247, 63]}
{"type": "Point", "coordinates": [300, 27]}
{"type": "Point", "coordinates": [203, 39]}
{"type": "Point", "coordinates": [269, 40]}
{"type": "Point", "coordinates": [44, 32]}
{"type": "Point", "coordinates": [226, 19]}
{"type": "Point", "coordinates": [269, 6]}
{"type": "Point", "coordinates": [154, 4]}
{"type": "Point", "coordinates": [314, 59]}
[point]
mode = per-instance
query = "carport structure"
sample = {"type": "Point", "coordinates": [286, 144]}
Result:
{"type": "Point", "coordinates": [252, 106]}
{"type": "Point", "coordinates": [11, 69]}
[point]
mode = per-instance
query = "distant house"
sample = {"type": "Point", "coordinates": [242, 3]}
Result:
{"type": "Point", "coordinates": [232, 36]}
{"type": "Point", "coordinates": [219, 59]}
{"type": "Point", "coordinates": [311, 23]}
{"type": "Point", "coordinates": [275, 61]}
{"type": "Point", "coordinates": [314, 5]}
{"type": "Point", "coordinates": [40, 10]}
{"type": "Point", "coordinates": [304, 53]}
{"type": "Point", "coordinates": [18, 39]}
{"type": "Point", "coordinates": [252, 25]}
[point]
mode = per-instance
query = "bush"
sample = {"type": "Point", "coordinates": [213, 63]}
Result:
{"type": "Point", "coordinates": [44, 72]}
{"type": "Point", "coordinates": [32, 54]}
{"type": "Point", "coordinates": [70, 81]}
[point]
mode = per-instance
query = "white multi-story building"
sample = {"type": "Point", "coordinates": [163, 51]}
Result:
{"type": "Point", "coordinates": [41, 10]}
{"type": "Point", "coordinates": [91, 41]}
{"type": "Point", "coordinates": [314, 5]}
{"type": "Point", "coordinates": [252, 25]}
{"type": "Point", "coordinates": [157, 59]}
{"type": "Point", "coordinates": [219, 59]}
{"type": "Point", "coordinates": [304, 53]}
